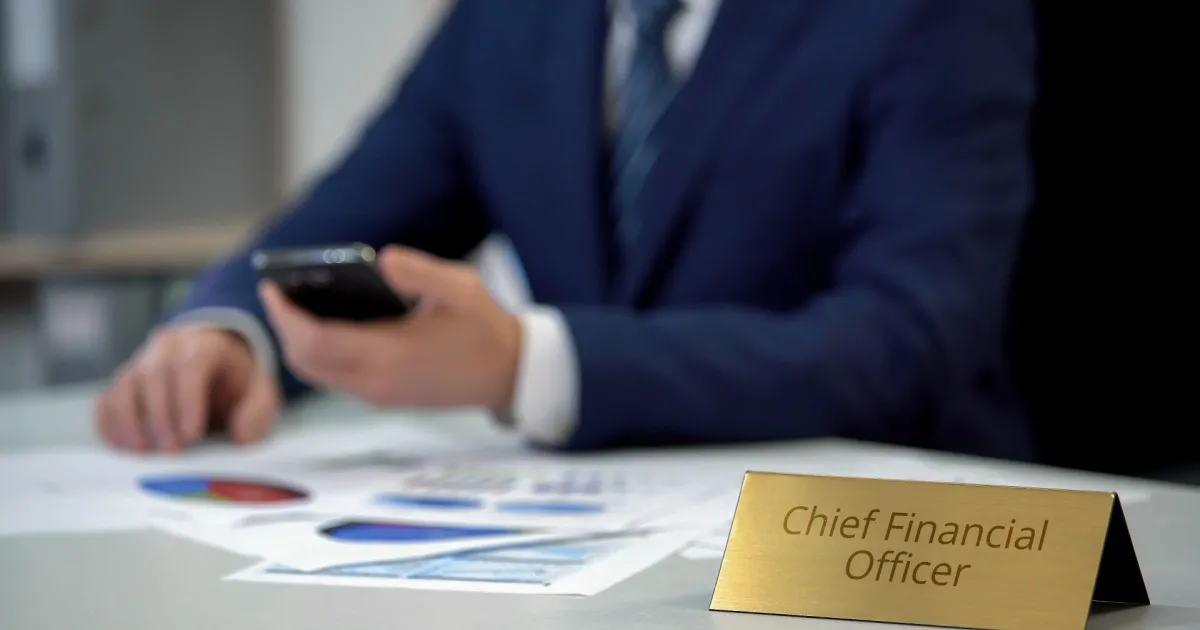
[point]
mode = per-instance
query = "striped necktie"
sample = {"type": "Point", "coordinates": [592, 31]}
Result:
{"type": "Point", "coordinates": [644, 95]}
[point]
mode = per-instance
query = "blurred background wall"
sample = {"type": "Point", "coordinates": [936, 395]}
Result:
{"type": "Point", "coordinates": [339, 64]}
{"type": "Point", "coordinates": [162, 131]}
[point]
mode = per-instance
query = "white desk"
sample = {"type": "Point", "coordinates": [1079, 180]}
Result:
{"type": "Point", "coordinates": [151, 581]}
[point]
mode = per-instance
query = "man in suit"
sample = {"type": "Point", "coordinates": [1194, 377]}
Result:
{"type": "Point", "coordinates": [741, 220]}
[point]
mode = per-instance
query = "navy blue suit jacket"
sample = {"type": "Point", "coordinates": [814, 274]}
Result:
{"type": "Point", "coordinates": [828, 233]}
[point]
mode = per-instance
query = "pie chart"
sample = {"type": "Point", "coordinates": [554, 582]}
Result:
{"type": "Point", "coordinates": [220, 490]}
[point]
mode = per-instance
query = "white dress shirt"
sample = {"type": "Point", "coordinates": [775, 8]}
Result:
{"type": "Point", "coordinates": [545, 405]}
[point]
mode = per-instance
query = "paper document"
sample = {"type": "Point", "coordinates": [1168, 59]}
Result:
{"type": "Point", "coordinates": [324, 451]}
{"type": "Point", "coordinates": [215, 483]}
{"type": "Point", "coordinates": [253, 537]}
{"type": "Point", "coordinates": [356, 540]}
{"type": "Point", "coordinates": [435, 510]}
{"type": "Point", "coordinates": [542, 496]}
{"type": "Point", "coordinates": [310, 541]}
{"type": "Point", "coordinates": [28, 514]}
{"type": "Point", "coordinates": [228, 496]}
{"type": "Point", "coordinates": [583, 567]}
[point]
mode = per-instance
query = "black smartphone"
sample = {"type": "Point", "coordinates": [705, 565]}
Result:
{"type": "Point", "coordinates": [333, 282]}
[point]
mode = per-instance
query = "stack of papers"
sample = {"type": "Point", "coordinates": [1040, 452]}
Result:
{"type": "Point", "coordinates": [370, 506]}
{"type": "Point", "coordinates": [391, 506]}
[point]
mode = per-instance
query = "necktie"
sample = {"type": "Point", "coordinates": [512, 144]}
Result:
{"type": "Point", "coordinates": [645, 93]}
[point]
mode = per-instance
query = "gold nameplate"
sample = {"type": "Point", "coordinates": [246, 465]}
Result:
{"type": "Point", "coordinates": [938, 554]}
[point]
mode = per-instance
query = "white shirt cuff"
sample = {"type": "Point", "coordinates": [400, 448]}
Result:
{"type": "Point", "coordinates": [236, 321]}
{"type": "Point", "coordinates": [546, 398]}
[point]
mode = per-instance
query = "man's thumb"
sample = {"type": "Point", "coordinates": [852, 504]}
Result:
{"type": "Point", "coordinates": [415, 274]}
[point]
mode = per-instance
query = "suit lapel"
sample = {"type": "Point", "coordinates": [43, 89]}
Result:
{"type": "Point", "coordinates": [744, 38]}
{"type": "Point", "coordinates": [572, 138]}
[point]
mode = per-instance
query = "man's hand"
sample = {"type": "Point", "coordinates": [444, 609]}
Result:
{"type": "Point", "coordinates": [183, 383]}
{"type": "Point", "coordinates": [459, 348]}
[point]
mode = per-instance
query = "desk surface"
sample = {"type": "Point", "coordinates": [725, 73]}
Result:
{"type": "Point", "coordinates": [147, 580]}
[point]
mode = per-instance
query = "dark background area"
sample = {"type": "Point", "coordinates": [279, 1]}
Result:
{"type": "Point", "coordinates": [1103, 313]}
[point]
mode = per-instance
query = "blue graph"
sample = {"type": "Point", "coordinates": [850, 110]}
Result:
{"type": "Point", "coordinates": [388, 532]}
{"type": "Point", "coordinates": [551, 507]}
{"type": "Point", "coordinates": [429, 502]}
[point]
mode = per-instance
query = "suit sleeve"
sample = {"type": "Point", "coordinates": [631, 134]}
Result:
{"type": "Point", "coordinates": [917, 299]}
{"type": "Point", "coordinates": [404, 180]}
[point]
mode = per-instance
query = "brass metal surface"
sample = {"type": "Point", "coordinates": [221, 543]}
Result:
{"type": "Point", "coordinates": [924, 553]}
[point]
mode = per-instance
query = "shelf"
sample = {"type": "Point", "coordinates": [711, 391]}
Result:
{"type": "Point", "coordinates": [147, 251]}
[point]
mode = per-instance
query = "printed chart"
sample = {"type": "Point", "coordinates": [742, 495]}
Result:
{"type": "Point", "coordinates": [539, 481]}
{"type": "Point", "coordinates": [220, 490]}
{"type": "Point", "coordinates": [577, 567]}
{"type": "Point", "coordinates": [539, 565]}
{"type": "Point", "coordinates": [465, 479]}
{"type": "Point", "coordinates": [549, 507]}
{"type": "Point", "coordinates": [573, 482]}
{"type": "Point", "coordinates": [530, 565]}
{"type": "Point", "coordinates": [534, 495]}
{"type": "Point", "coordinates": [428, 502]}
{"type": "Point", "coordinates": [393, 532]}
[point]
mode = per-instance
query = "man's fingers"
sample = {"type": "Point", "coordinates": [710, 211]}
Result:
{"type": "Point", "coordinates": [312, 345]}
{"type": "Point", "coordinates": [130, 416]}
{"type": "Point", "coordinates": [110, 423]}
{"type": "Point", "coordinates": [282, 314]}
{"type": "Point", "coordinates": [252, 418]}
{"type": "Point", "coordinates": [192, 387]}
{"type": "Point", "coordinates": [156, 392]}
{"type": "Point", "coordinates": [121, 414]}
{"type": "Point", "coordinates": [103, 419]}
{"type": "Point", "coordinates": [342, 379]}
{"type": "Point", "coordinates": [339, 356]}
{"type": "Point", "coordinates": [415, 273]}
{"type": "Point", "coordinates": [295, 329]}
{"type": "Point", "coordinates": [277, 305]}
